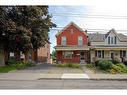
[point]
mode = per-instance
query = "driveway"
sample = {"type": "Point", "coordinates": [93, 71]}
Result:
{"type": "Point", "coordinates": [49, 68]}
{"type": "Point", "coordinates": [43, 71]}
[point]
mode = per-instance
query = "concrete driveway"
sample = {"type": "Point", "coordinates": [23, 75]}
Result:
{"type": "Point", "coordinates": [49, 68]}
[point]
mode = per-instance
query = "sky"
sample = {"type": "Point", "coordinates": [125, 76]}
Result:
{"type": "Point", "coordinates": [106, 22]}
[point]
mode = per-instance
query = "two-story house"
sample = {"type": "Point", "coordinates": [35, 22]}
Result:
{"type": "Point", "coordinates": [72, 45]}
{"type": "Point", "coordinates": [107, 46]}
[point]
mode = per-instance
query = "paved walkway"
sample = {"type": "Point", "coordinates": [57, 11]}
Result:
{"type": "Point", "coordinates": [47, 71]}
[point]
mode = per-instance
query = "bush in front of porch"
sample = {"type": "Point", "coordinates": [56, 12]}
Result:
{"type": "Point", "coordinates": [111, 67]}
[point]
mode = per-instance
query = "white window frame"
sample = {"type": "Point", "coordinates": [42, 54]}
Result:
{"type": "Point", "coordinates": [80, 40]}
{"type": "Point", "coordinates": [67, 54]}
{"type": "Point", "coordinates": [63, 40]}
{"type": "Point", "coordinates": [101, 52]}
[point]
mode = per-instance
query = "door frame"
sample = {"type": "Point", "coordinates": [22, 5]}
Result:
{"type": "Point", "coordinates": [82, 56]}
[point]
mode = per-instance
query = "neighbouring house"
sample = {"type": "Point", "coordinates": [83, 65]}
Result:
{"type": "Point", "coordinates": [72, 45]}
{"type": "Point", "coordinates": [108, 46]}
{"type": "Point", "coordinates": [44, 53]}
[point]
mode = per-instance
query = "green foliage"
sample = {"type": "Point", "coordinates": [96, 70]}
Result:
{"type": "Point", "coordinates": [105, 64]}
{"type": "Point", "coordinates": [118, 68]}
{"type": "Point", "coordinates": [24, 27]}
{"type": "Point", "coordinates": [54, 55]}
{"type": "Point", "coordinates": [89, 66]}
{"type": "Point", "coordinates": [15, 65]}
{"type": "Point", "coordinates": [70, 65]}
{"type": "Point", "coordinates": [6, 69]}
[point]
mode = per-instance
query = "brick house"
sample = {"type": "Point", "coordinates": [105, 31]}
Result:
{"type": "Point", "coordinates": [72, 45]}
{"type": "Point", "coordinates": [44, 53]}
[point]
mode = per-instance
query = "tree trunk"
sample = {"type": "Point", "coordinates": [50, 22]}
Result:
{"type": "Point", "coordinates": [6, 56]}
{"type": "Point", "coordinates": [2, 61]}
{"type": "Point", "coordinates": [26, 57]}
{"type": "Point", "coordinates": [34, 55]}
{"type": "Point", "coordinates": [17, 55]}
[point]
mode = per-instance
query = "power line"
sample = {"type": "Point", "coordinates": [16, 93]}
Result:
{"type": "Point", "coordinates": [89, 29]}
{"type": "Point", "coordinates": [89, 16]}
{"type": "Point", "coordinates": [92, 30]}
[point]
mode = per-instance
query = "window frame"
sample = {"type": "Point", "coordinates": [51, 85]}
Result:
{"type": "Point", "coordinates": [63, 40]}
{"type": "Point", "coordinates": [80, 41]}
{"type": "Point", "coordinates": [66, 54]}
{"type": "Point", "coordinates": [100, 53]}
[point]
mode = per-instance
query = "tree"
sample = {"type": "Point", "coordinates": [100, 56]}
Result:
{"type": "Point", "coordinates": [24, 28]}
{"type": "Point", "coordinates": [54, 54]}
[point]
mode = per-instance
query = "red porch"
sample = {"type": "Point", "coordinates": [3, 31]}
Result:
{"type": "Point", "coordinates": [75, 56]}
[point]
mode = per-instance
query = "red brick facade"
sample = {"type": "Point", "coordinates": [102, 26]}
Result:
{"type": "Point", "coordinates": [72, 32]}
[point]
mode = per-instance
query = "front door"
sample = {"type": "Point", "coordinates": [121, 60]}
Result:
{"type": "Point", "coordinates": [82, 57]}
{"type": "Point", "coordinates": [112, 55]}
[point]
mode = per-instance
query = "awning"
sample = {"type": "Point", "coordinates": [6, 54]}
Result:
{"type": "Point", "coordinates": [65, 48]}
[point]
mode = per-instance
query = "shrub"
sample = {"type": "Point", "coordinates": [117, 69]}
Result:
{"type": "Point", "coordinates": [89, 65]}
{"type": "Point", "coordinates": [123, 67]}
{"type": "Point", "coordinates": [104, 64]}
{"type": "Point", "coordinates": [70, 65]}
{"type": "Point", "coordinates": [112, 71]}
{"type": "Point", "coordinates": [116, 68]}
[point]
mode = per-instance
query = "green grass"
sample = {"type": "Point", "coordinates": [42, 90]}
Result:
{"type": "Point", "coordinates": [15, 65]}
{"type": "Point", "coordinates": [70, 65]}
{"type": "Point", "coordinates": [5, 69]}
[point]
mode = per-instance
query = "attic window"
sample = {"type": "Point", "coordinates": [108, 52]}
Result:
{"type": "Point", "coordinates": [72, 31]}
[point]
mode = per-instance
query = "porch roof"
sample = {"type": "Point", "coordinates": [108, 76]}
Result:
{"type": "Point", "coordinates": [110, 47]}
{"type": "Point", "coordinates": [72, 47]}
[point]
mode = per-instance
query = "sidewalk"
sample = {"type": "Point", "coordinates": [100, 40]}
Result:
{"type": "Point", "coordinates": [40, 72]}
{"type": "Point", "coordinates": [40, 76]}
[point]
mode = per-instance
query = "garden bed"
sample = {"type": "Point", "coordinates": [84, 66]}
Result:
{"type": "Point", "coordinates": [69, 65]}
{"type": "Point", "coordinates": [106, 66]}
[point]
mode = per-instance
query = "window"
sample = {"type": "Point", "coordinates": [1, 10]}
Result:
{"type": "Point", "coordinates": [122, 53]}
{"type": "Point", "coordinates": [100, 53]}
{"type": "Point", "coordinates": [63, 42]}
{"type": "Point", "coordinates": [115, 40]}
{"type": "Point", "coordinates": [67, 54]}
{"type": "Point", "coordinates": [111, 40]}
{"type": "Point", "coordinates": [80, 40]}
{"type": "Point", "coordinates": [72, 31]}
{"type": "Point", "coordinates": [108, 40]}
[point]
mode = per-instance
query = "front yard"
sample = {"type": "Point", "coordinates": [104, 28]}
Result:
{"type": "Point", "coordinates": [108, 67]}
{"type": "Point", "coordinates": [15, 65]}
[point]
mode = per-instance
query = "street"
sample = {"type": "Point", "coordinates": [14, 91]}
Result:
{"type": "Point", "coordinates": [62, 84]}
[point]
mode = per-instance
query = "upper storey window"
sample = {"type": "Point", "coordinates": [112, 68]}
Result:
{"type": "Point", "coordinates": [112, 40]}
{"type": "Point", "coordinates": [63, 40]}
{"type": "Point", "coordinates": [80, 41]}
{"type": "Point", "coordinates": [72, 31]}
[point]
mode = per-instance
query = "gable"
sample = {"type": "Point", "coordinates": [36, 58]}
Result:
{"type": "Point", "coordinates": [111, 33]}
{"type": "Point", "coordinates": [71, 25]}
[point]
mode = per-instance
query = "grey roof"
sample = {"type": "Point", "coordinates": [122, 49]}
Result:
{"type": "Point", "coordinates": [97, 37]}
{"type": "Point", "coordinates": [122, 37]}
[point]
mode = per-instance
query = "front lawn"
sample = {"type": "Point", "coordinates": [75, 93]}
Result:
{"type": "Point", "coordinates": [15, 65]}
